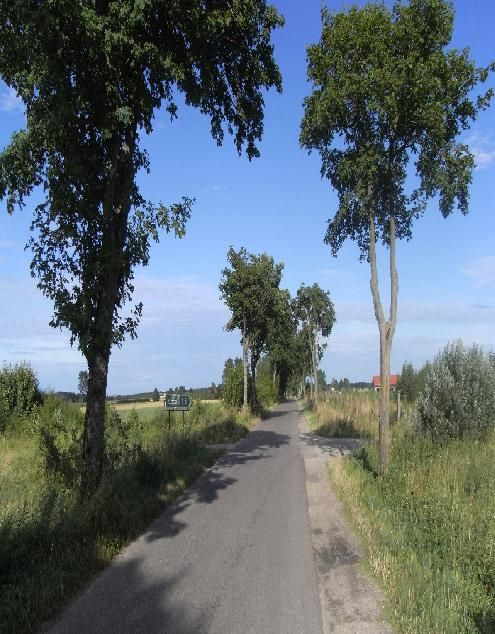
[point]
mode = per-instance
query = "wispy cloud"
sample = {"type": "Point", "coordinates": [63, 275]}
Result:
{"type": "Point", "coordinates": [481, 271]}
{"type": "Point", "coordinates": [9, 101]}
{"type": "Point", "coordinates": [483, 148]}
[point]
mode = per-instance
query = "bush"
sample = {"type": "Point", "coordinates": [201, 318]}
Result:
{"type": "Point", "coordinates": [266, 389]}
{"type": "Point", "coordinates": [233, 383]}
{"type": "Point", "coordinates": [19, 392]}
{"type": "Point", "coordinates": [459, 395]}
{"type": "Point", "coordinates": [59, 427]}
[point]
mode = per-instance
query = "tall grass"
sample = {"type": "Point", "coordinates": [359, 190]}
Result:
{"type": "Point", "coordinates": [428, 529]}
{"type": "Point", "coordinates": [345, 415]}
{"type": "Point", "coordinates": [50, 544]}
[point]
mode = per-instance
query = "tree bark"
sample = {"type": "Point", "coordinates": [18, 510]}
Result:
{"type": "Point", "coordinates": [254, 363]}
{"type": "Point", "coordinates": [386, 330]}
{"type": "Point", "coordinates": [245, 367]}
{"type": "Point", "coordinates": [94, 425]}
{"type": "Point", "coordinates": [315, 371]}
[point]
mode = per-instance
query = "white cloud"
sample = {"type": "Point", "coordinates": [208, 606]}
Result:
{"type": "Point", "coordinates": [481, 271]}
{"type": "Point", "coordinates": [483, 149]}
{"type": "Point", "coordinates": [9, 101]}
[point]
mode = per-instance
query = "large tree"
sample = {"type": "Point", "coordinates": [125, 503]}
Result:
{"type": "Point", "coordinates": [315, 311]}
{"type": "Point", "coordinates": [92, 74]}
{"type": "Point", "coordinates": [250, 288]}
{"type": "Point", "coordinates": [388, 104]}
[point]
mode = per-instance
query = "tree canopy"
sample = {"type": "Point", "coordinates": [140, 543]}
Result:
{"type": "Point", "coordinates": [388, 93]}
{"type": "Point", "coordinates": [315, 311]}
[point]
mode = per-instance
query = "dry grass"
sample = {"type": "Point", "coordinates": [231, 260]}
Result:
{"type": "Point", "coordinates": [347, 415]}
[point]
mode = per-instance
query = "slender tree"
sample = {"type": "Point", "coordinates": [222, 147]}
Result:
{"type": "Point", "coordinates": [315, 310]}
{"type": "Point", "coordinates": [250, 288]}
{"type": "Point", "coordinates": [388, 103]}
{"type": "Point", "coordinates": [92, 74]}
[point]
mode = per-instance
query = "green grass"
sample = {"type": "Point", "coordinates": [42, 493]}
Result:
{"type": "Point", "coordinates": [428, 529]}
{"type": "Point", "coordinates": [50, 545]}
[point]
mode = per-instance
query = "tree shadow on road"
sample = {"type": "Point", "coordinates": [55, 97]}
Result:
{"type": "Point", "coordinates": [127, 598]}
{"type": "Point", "coordinates": [256, 446]}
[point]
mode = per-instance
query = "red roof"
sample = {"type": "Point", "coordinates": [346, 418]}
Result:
{"type": "Point", "coordinates": [394, 380]}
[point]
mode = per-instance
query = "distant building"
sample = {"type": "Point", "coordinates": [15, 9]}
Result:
{"type": "Point", "coordinates": [394, 382]}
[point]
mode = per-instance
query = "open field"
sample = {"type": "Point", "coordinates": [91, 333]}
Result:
{"type": "Point", "coordinates": [50, 543]}
{"type": "Point", "coordinates": [428, 528]}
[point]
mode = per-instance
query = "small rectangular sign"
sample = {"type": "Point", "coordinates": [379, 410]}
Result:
{"type": "Point", "coordinates": [177, 402]}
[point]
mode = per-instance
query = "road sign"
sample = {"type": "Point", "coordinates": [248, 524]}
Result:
{"type": "Point", "coordinates": [177, 402]}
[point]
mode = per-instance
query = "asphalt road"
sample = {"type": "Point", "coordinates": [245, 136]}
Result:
{"type": "Point", "coordinates": [231, 556]}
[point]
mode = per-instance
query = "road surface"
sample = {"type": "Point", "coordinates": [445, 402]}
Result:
{"type": "Point", "coordinates": [233, 555]}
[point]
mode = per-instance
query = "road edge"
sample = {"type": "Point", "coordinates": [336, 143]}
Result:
{"type": "Point", "coordinates": [350, 601]}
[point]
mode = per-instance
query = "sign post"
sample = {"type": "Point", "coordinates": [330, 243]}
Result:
{"type": "Point", "coordinates": [177, 403]}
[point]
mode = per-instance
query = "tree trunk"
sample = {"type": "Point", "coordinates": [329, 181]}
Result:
{"type": "Point", "coordinates": [100, 336]}
{"type": "Point", "coordinates": [386, 329]}
{"type": "Point", "coordinates": [245, 367]}
{"type": "Point", "coordinates": [94, 425]}
{"type": "Point", "coordinates": [315, 371]}
{"type": "Point", "coordinates": [254, 363]}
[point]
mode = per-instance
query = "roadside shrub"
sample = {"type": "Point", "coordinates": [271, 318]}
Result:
{"type": "Point", "coordinates": [59, 427]}
{"type": "Point", "coordinates": [233, 383]}
{"type": "Point", "coordinates": [459, 395]}
{"type": "Point", "coordinates": [19, 392]}
{"type": "Point", "coordinates": [266, 388]}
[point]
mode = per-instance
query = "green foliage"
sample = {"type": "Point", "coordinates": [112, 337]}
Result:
{"type": "Point", "coordinates": [59, 427]}
{"type": "Point", "coordinates": [315, 311]}
{"type": "Point", "coordinates": [459, 395]}
{"type": "Point", "coordinates": [267, 388]}
{"type": "Point", "coordinates": [91, 77]}
{"type": "Point", "coordinates": [412, 382]}
{"type": "Point", "coordinates": [387, 91]}
{"type": "Point", "coordinates": [250, 288]}
{"type": "Point", "coordinates": [19, 393]}
{"type": "Point", "coordinates": [428, 530]}
{"type": "Point", "coordinates": [232, 383]}
{"type": "Point", "coordinates": [156, 395]}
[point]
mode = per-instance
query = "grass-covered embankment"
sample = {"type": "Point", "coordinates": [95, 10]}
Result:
{"type": "Point", "coordinates": [428, 529]}
{"type": "Point", "coordinates": [50, 544]}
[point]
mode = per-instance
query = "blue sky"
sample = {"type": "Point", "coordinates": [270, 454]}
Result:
{"type": "Point", "coordinates": [280, 205]}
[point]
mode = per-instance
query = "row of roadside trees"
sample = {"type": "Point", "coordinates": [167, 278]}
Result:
{"type": "Point", "coordinates": [289, 331]}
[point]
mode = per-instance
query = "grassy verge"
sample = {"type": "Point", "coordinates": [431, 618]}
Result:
{"type": "Point", "coordinates": [345, 415]}
{"type": "Point", "coordinates": [50, 545]}
{"type": "Point", "coordinates": [429, 530]}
